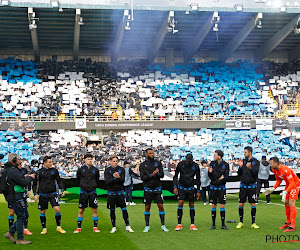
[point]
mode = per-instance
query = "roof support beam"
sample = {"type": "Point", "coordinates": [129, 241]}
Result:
{"type": "Point", "coordinates": [158, 40]}
{"type": "Point", "coordinates": [275, 40]}
{"type": "Point", "coordinates": [34, 36]}
{"type": "Point", "coordinates": [200, 36]}
{"type": "Point", "coordinates": [76, 35]}
{"type": "Point", "coordinates": [237, 40]}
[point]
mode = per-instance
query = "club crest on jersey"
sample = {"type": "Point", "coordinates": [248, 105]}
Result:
{"type": "Point", "coordinates": [223, 167]}
{"type": "Point", "coordinates": [193, 167]}
{"type": "Point", "coordinates": [93, 171]}
{"type": "Point", "coordinates": [52, 172]}
{"type": "Point", "coordinates": [155, 164]}
{"type": "Point", "coordinates": [253, 163]}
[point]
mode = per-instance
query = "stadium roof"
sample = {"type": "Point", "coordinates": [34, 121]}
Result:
{"type": "Point", "coordinates": [164, 5]}
{"type": "Point", "coordinates": [104, 30]}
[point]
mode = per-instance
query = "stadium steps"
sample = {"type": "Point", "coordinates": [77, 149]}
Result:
{"type": "Point", "coordinates": [271, 96]}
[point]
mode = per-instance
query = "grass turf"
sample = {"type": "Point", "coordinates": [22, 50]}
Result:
{"type": "Point", "coordinates": [269, 218]}
{"type": "Point", "coordinates": [135, 193]}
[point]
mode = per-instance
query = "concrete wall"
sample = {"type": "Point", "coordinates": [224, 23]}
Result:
{"type": "Point", "coordinates": [104, 56]}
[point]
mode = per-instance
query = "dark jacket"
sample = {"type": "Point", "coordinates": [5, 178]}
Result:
{"type": "Point", "coordinates": [146, 170]}
{"type": "Point", "coordinates": [249, 175]}
{"type": "Point", "coordinates": [45, 181]}
{"type": "Point", "coordinates": [23, 172]}
{"type": "Point", "coordinates": [14, 178]}
{"type": "Point", "coordinates": [114, 184]}
{"type": "Point", "coordinates": [187, 175]}
{"type": "Point", "coordinates": [218, 171]}
{"type": "Point", "coordinates": [88, 178]}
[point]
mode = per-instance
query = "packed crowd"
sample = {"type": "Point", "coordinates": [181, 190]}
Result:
{"type": "Point", "coordinates": [86, 88]}
{"type": "Point", "coordinates": [68, 147]}
{"type": "Point", "coordinates": [283, 80]}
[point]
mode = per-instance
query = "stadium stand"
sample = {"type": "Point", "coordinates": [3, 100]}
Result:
{"type": "Point", "coordinates": [22, 144]}
{"type": "Point", "coordinates": [171, 145]}
{"type": "Point", "coordinates": [196, 90]}
{"type": "Point", "coordinates": [137, 91]}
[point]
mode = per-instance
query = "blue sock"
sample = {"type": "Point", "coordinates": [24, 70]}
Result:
{"type": "Point", "coordinates": [95, 220]}
{"type": "Point", "coordinates": [58, 219]}
{"type": "Point", "coordinates": [179, 214]}
{"type": "Point", "coordinates": [213, 216]}
{"type": "Point", "coordinates": [222, 214]}
{"type": "Point", "coordinates": [43, 220]}
{"type": "Point", "coordinates": [241, 213]}
{"type": "Point", "coordinates": [11, 220]}
{"type": "Point", "coordinates": [147, 218]}
{"type": "Point", "coordinates": [162, 217]}
{"type": "Point", "coordinates": [79, 221]}
{"type": "Point", "coordinates": [192, 215]}
{"type": "Point", "coordinates": [253, 214]}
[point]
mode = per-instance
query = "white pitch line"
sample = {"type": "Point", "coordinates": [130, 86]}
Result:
{"type": "Point", "coordinates": [278, 204]}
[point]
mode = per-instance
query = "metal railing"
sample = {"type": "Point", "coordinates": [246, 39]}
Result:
{"type": "Point", "coordinates": [295, 106]}
{"type": "Point", "coordinates": [136, 118]}
{"type": "Point", "coordinates": [291, 109]}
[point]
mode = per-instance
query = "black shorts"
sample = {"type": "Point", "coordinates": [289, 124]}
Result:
{"type": "Point", "coordinates": [117, 200]}
{"type": "Point", "coordinates": [44, 199]}
{"type": "Point", "coordinates": [248, 191]}
{"type": "Point", "coordinates": [217, 195]}
{"type": "Point", "coordinates": [157, 196]}
{"type": "Point", "coordinates": [88, 200]}
{"type": "Point", "coordinates": [186, 195]}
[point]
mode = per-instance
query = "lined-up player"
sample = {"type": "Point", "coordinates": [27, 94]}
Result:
{"type": "Point", "coordinates": [151, 172]}
{"type": "Point", "coordinates": [189, 176]}
{"type": "Point", "coordinates": [44, 189]}
{"type": "Point", "coordinates": [88, 178]}
{"type": "Point", "coordinates": [218, 172]}
{"type": "Point", "coordinates": [248, 172]}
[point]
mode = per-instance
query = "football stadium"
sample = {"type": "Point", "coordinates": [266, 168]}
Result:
{"type": "Point", "coordinates": [135, 124]}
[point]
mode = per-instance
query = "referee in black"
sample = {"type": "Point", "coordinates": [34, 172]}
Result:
{"type": "Point", "coordinates": [189, 172]}
{"type": "Point", "coordinates": [218, 173]}
{"type": "Point", "coordinates": [44, 190]}
{"type": "Point", "coordinates": [151, 172]}
{"type": "Point", "coordinates": [248, 171]}
{"type": "Point", "coordinates": [88, 178]}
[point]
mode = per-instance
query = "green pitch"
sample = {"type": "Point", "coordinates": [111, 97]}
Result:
{"type": "Point", "coordinates": [269, 218]}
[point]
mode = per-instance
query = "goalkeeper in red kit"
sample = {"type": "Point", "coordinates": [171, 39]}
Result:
{"type": "Point", "coordinates": [290, 193]}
